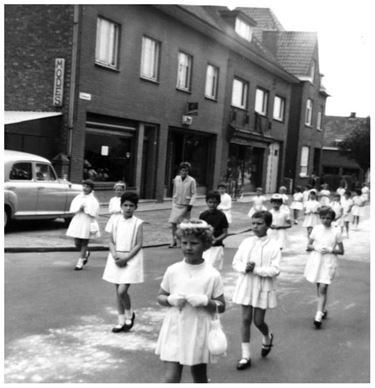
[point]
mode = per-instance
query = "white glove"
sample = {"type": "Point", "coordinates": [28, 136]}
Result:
{"type": "Point", "coordinates": [197, 300]}
{"type": "Point", "coordinates": [177, 300]}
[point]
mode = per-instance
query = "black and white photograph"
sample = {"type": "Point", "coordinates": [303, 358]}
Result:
{"type": "Point", "coordinates": [187, 192]}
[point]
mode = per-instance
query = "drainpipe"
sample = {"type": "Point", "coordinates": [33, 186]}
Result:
{"type": "Point", "coordinates": [73, 76]}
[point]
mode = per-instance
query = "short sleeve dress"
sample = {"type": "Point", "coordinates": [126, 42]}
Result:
{"type": "Point", "coordinates": [279, 218]}
{"type": "Point", "coordinates": [114, 209]}
{"type": "Point", "coordinates": [321, 268]}
{"type": "Point", "coordinates": [124, 233]}
{"type": "Point", "coordinates": [257, 205]}
{"type": "Point", "coordinates": [183, 335]}
{"type": "Point", "coordinates": [297, 203]}
{"type": "Point", "coordinates": [311, 214]}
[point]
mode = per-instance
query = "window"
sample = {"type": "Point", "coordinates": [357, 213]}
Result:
{"type": "Point", "coordinates": [308, 114]}
{"type": "Point", "coordinates": [212, 78]}
{"type": "Point", "coordinates": [243, 29]}
{"type": "Point", "coordinates": [44, 172]}
{"type": "Point", "coordinates": [312, 71]}
{"type": "Point", "coordinates": [319, 121]}
{"type": "Point", "coordinates": [184, 71]}
{"type": "Point", "coordinates": [21, 171]}
{"type": "Point", "coordinates": [278, 108]}
{"type": "Point", "coordinates": [150, 59]}
{"type": "Point", "coordinates": [304, 161]}
{"type": "Point", "coordinates": [239, 93]}
{"type": "Point", "coordinates": [261, 101]}
{"type": "Point", "coordinates": [107, 39]}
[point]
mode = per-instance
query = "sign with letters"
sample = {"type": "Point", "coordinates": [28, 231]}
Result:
{"type": "Point", "coordinates": [58, 87]}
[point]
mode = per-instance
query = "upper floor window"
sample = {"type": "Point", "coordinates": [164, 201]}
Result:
{"type": "Point", "coordinates": [107, 40]}
{"type": "Point", "coordinates": [261, 101]}
{"type": "Point", "coordinates": [304, 163]}
{"type": "Point", "coordinates": [308, 113]}
{"type": "Point", "coordinates": [279, 108]}
{"type": "Point", "coordinates": [212, 79]}
{"type": "Point", "coordinates": [319, 120]}
{"type": "Point", "coordinates": [184, 71]}
{"type": "Point", "coordinates": [243, 29]}
{"type": "Point", "coordinates": [239, 93]}
{"type": "Point", "coordinates": [150, 59]}
{"type": "Point", "coordinates": [312, 71]}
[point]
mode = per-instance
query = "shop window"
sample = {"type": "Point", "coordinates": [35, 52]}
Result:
{"type": "Point", "coordinates": [107, 43]}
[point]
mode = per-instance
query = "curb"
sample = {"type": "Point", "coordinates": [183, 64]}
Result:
{"type": "Point", "coordinates": [93, 248]}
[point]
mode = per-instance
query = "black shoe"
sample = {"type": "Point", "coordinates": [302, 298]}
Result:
{"type": "Point", "coordinates": [86, 258]}
{"type": "Point", "coordinates": [244, 363]}
{"type": "Point", "coordinates": [128, 325]}
{"type": "Point", "coordinates": [267, 348]}
{"type": "Point", "coordinates": [119, 329]}
{"type": "Point", "coordinates": [317, 324]}
{"type": "Point", "coordinates": [325, 315]}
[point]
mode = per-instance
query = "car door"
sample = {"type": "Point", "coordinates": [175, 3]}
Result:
{"type": "Point", "coordinates": [21, 182]}
{"type": "Point", "coordinates": [52, 193]}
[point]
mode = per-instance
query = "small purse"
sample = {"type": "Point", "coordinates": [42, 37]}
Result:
{"type": "Point", "coordinates": [217, 340]}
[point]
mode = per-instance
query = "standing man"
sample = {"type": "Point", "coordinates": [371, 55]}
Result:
{"type": "Point", "coordinates": [184, 194]}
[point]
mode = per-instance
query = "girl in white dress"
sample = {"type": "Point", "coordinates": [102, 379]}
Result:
{"type": "Point", "coordinates": [347, 204]}
{"type": "Point", "coordinates": [114, 206]}
{"type": "Point", "coordinates": [125, 259]}
{"type": "Point", "coordinates": [358, 208]}
{"type": "Point", "coordinates": [325, 242]}
{"type": "Point", "coordinates": [84, 224]}
{"type": "Point", "coordinates": [193, 291]}
{"type": "Point", "coordinates": [337, 208]}
{"type": "Point", "coordinates": [258, 262]}
{"type": "Point", "coordinates": [285, 198]}
{"type": "Point", "coordinates": [312, 207]}
{"type": "Point", "coordinates": [297, 203]}
{"type": "Point", "coordinates": [280, 221]}
{"type": "Point", "coordinates": [257, 201]}
{"type": "Point", "coordinates": [324, 194]}
{"type": "Point", "coordinates": [225, 202]}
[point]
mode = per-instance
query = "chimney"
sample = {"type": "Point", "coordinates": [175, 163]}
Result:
{"type": "Point", "coordinates": [352, 115]}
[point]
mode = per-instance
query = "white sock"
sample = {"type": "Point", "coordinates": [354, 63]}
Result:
{"type": "Point", "coordinates": [128, 314]}
{"type": "Point", "coordinates": [245, 348]}
{"type": "Point", "coordinates": [79, 263]}
{"type": "Point", "coordinates": [318, 316]}
{"type": "Point", "coordinates": [266, 339]}
{"type": "Point", "coordinates": [121, 319]}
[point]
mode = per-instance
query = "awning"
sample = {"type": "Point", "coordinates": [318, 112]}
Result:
{"type": "Point", "coordinates": [13, 116]}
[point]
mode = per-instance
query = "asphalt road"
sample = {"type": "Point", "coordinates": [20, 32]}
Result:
{"type": "Point", "coordinates": [58, 321]}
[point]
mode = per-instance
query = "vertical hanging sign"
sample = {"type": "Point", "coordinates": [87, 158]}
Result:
{"type": "Point", "coordinates": [58, 87]}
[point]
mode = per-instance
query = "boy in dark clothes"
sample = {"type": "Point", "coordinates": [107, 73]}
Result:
{"type": "Point", "coordinates": [217, 219]}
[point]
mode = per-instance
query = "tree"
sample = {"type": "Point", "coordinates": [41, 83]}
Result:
{"type": "Point", "coordinates": [356, 145]}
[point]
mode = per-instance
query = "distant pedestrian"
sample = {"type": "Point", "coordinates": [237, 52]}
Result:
{"type": "Point", "coordinates": [347, 204]}
{"type": "Point", "coordinates": [297, 204]}
{"type": "Point", "coordinates": [193, 290]}
{"type": "Point", "coordinates": [114, 206]}
{"type": "Point", "coordinates": [342, 188]}
{"type": "Point", "coordinates": [184, 195]}
{"type": "Point", "coordinates": [358, 208]}
{"type": "Point", "coordinates": [84, 225]}
{"type": "Point", "coordinates": [325, 242]}
{"type": "Point", "coordinates": [225, 204]}
{"type": "Point", "coordinates": [257, 202]}
{"type": "Point", "coordinates": [124, 265]}
{"type": "Point", "coordinates": [258, 262]}
{"type": "Point", "coordinates": [280, 221]}
{"type": "Point", "coordinates": [217, 219]}
{"type": "Point", "coordinates": [312, 207]}
{"type": "Point", "coordinates": [324, 195]}
{"type": "Point", "coordinates": [335, 205]}
{"type": "Point", "coordinates": [306, 193]}
{"type": "Point", "coordinates": [365, 193]}
{"type": "Point", "coordinates": [285, 198]}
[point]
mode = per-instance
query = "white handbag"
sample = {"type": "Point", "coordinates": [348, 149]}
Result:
{"type": "Point", "coordinates": [217, 340]}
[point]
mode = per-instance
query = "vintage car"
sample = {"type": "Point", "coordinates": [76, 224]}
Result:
{"type": "Point", "coordinates": [32, 189]}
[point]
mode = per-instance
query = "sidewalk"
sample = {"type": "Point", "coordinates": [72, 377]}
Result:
{"type": "Point", "coordinates": [31, 236]}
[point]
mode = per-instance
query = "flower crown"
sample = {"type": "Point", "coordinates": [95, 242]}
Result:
{"type": "Point", "coordinates": [194, 224]}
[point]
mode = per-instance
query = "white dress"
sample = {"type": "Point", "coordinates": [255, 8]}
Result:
{"type": "Point", "coordinates": [257, 204]}
{"type": "Point", "coordinates": [321, 268]}
{"type": "Point", "coordinates": [337, 208]}
{"type": "Point", "coordinates": [279, 218]}
{"type": "Point", "coordinates": [358, 206]}
{"type": "Point", "coordinates": [225, 206]}
{"type": "Point", "coordinates": [124, 233]}
{"type": "Point", "coordinates": [183, 335]}
{"type": "Point", "coordinates": [312, 217]}
{"type": "Point", "coordinates": [324, 197]}
{"type": "Point", "coordinates": [347, 205]}
{"type": "Point", "coordinates": [84, 224]}
{"type": "Point", "coordinates": [297, 202]}
{"type": "Point", "coordinates": [114, 209]}
{"type": "Point", "coordinates": [257, 288]}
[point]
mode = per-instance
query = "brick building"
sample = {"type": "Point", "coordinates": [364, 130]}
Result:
{"type": "Point", "coordinates": [145, 87]}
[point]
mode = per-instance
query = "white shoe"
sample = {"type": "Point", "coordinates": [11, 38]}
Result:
{"type": "Point", "coordinates": [79, 264]}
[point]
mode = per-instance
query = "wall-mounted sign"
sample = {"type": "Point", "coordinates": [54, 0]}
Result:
{"type": "Point", "coordinates": [104, 150]}
{"type": "Point", "coordinates": [85, 96]}
{"type": "Point", "coordinates": [58, 87]}
{"type": "Point", "coordinates": [192, 109]}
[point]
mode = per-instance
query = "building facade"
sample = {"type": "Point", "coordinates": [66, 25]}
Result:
{"type": "Point", "coordinates": [140, 88]}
